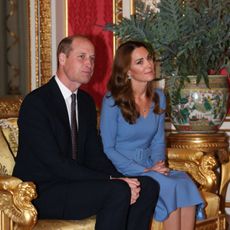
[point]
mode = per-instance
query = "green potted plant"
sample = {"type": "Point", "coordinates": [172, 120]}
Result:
{"type": "Point", "coordinates": [191, 41]}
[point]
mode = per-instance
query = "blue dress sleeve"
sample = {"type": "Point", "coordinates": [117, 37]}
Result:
{"type": "Point", "coordinates": [158, 142]}
{"type": "Point", "coordinates": [108, 128]}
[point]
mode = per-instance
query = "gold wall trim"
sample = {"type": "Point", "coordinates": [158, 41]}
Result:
{"type": "Point", "coordinates": [44, 44]}
{"type": "Point", "coordinates": [43, 51]}
{"type": "Point", "coordinates": [37, 56]}
{"type": "Point", "coordinates": [117, 11]}
{"type": "Point", "coordinates": [29, 49]}
{"type": "Point", "coordinates": [66, 18]}
{"type": "Point", "coordinates": [132, 7]}
{"type": "Point", "coordinates": [9, 106]}
{"type": "Point", "coordinates": [117, 17]}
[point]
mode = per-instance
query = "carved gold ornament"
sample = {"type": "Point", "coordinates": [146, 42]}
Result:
{"type": "Point", "coordinates": [15, 202]}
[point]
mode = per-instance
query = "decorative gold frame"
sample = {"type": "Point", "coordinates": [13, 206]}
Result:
{"type": "Point", "coordinates": [9, 105]}
{"type": "Point", "coordinates": [43, 44]}
{"type": "Point", "coordinates": [117, 17]}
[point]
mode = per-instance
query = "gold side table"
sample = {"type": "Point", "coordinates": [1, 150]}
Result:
{"type": "Point", "coordinates": [212, 144]}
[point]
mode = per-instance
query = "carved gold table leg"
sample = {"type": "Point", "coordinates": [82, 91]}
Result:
{"type": "Point", "coordinates": [212, 144]}
{"type": "Point", "coordinates": [196, 163]}
{"type": "Point", "coordinates": [225, 178]}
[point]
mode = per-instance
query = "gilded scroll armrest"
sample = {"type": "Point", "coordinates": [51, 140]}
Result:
{"type": "Point", "coordinates": [196, 163]}
{"type": "Point", "coordinates": [15, 203]}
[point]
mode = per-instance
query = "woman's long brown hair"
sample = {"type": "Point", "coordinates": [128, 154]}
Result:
{"type": "Point", "coordinates": [120, 86]}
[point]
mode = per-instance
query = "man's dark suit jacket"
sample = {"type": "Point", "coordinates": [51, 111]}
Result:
{"type": "Point", "coordinates": [44, 154]}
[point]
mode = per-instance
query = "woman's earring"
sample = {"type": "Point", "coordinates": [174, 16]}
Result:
{"type": "Point", "coordinates": [129, 77]}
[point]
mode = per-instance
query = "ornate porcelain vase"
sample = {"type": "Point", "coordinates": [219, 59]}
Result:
{"type": "Point", "coordinates": [197, 108]}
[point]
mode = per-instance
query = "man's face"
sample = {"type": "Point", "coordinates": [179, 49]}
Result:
{"type": "Point", "coordinates": [78, 66]}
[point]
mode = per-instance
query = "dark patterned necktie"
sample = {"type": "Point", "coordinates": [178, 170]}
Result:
{"type": "Point", "coordinates": [73, 127]}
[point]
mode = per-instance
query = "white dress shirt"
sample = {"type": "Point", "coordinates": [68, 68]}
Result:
{"type": "Point", "coordinates": [66, 93]}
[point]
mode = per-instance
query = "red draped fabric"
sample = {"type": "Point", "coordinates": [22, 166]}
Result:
{"type": "Point", "coordinates": [88, 17]}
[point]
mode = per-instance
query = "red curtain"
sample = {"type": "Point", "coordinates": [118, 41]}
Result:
{"type": "Point", "coordinates": [87, 17]}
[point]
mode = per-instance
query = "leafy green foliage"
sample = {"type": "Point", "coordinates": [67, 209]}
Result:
{"type": "Point", "coordinates": [190, 37]}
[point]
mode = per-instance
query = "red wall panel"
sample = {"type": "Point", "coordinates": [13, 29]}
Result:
{"type": "Point", "coordinates": [87, 17]}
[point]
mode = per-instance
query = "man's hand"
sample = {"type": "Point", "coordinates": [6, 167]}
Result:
{"type": "Point", "coordinates": [134, 185]}
{"type": "Point", "coordinates": [158, 167]}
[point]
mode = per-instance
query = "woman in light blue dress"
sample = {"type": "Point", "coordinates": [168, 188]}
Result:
{"type": "Point", "coordinates": [132, 130]}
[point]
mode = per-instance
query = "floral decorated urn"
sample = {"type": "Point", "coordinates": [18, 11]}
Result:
{"type": "Point", "coordinates": [197, 108]}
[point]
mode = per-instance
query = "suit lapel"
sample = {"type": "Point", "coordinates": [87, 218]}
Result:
{"type": "Point", "coordinates": [60, 119]}
{"type": "Point", "coordinates": [82, 128]}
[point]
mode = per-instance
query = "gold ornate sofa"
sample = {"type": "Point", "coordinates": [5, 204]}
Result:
{"type": "Point", "coordinates": [17, 211]}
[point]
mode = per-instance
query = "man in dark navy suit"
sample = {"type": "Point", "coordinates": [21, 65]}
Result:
{"type": "Point", "coordinates": [76, 187]}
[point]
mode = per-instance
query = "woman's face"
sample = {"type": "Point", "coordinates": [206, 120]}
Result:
{"type": "Point", "coordinates": [141, 66]}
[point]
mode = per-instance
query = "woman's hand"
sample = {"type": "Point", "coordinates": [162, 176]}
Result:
{"type": "Point", "coordinates": [158, 167]}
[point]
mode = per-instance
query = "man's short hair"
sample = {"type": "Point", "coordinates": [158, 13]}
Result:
{"type": "Point", "coordinates": [65, 45]}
